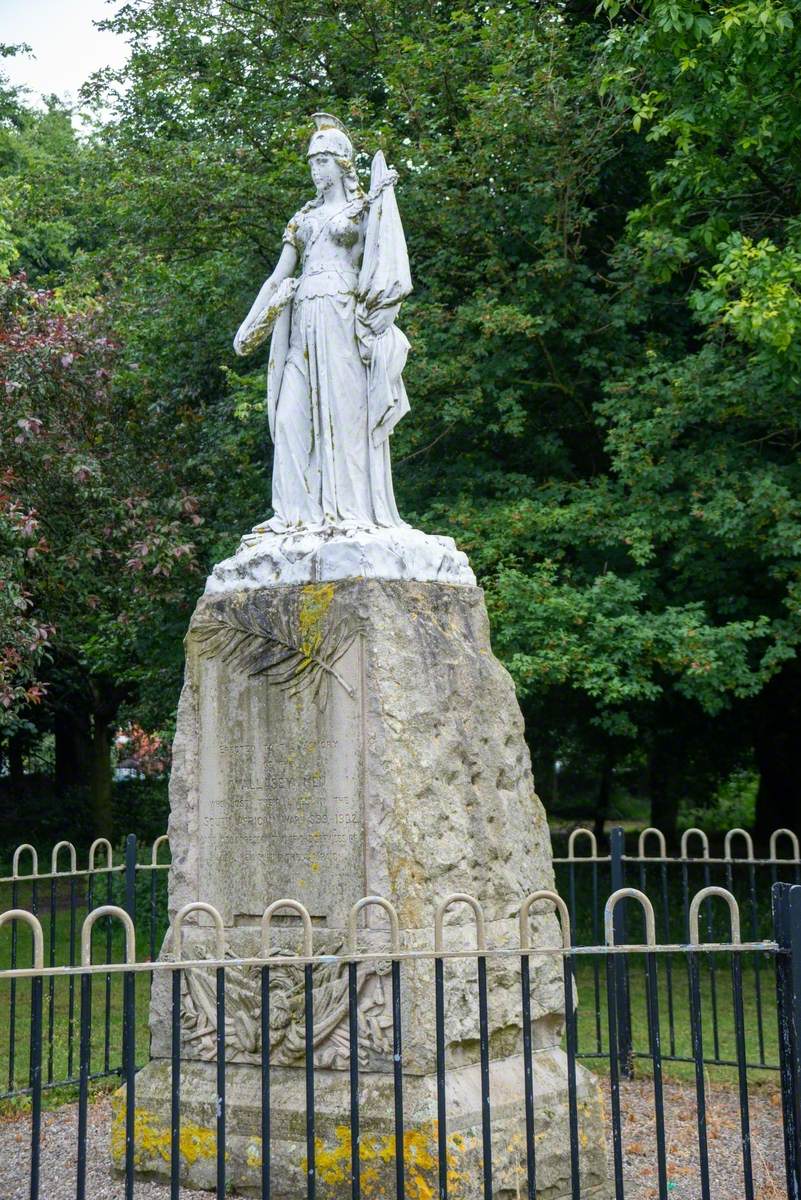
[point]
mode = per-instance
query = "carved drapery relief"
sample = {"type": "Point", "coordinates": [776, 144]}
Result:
{"type": "Point", "coordinates": [331, 1037]}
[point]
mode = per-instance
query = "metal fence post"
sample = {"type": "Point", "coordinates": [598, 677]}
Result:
{"type": "Point", "coordinates": [129, 903]}
{"type": "Point", "coordinates": [617, 848]}
{"type": "Point", "coordinates": [787, 933]}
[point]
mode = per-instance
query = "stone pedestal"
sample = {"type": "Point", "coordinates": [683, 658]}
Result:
{"type": "Point", "coordinates": [337, 740]}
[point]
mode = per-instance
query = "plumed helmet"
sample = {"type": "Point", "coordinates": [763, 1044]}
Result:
{"type": "Point", "coordinates": [330, 137]}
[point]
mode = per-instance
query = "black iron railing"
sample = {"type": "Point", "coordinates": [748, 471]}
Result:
{"type": "Point", "coordinates": [781, 959]}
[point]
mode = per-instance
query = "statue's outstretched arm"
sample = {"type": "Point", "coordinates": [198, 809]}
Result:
{"type": "Point", "coordinates": [285, 267]}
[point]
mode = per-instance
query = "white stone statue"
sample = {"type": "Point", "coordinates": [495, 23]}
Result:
{"type": "Point", "coordinates": [334, 388]}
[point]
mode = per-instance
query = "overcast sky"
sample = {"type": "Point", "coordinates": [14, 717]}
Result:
{"type": "Point", "coordinates": [66, 45]}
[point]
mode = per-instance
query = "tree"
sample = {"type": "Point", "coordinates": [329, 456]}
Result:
{"type": "Point", "coordinates": [115, 544]}
{"type": "Point", "coordinates": [557, 335]}
{"type": "Point", "coordinates": [23, 639]}
{"type": "Point", "coordinates": [602, 221]}
{"type": "Point", "coordinates": [706, 427]}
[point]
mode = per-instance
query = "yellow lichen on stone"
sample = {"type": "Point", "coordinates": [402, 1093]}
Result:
{"type": "Point", "coordinates": [253, 1154]}
{"type": "Point", "coordinates": [316, 599]}
{"type": "Point", "coordinates": [195, 1142]}
{"type": "Point", "coordinates": [376, 1154]}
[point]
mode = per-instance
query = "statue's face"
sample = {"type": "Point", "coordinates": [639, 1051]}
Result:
{"type": "Point", "coordinates": [325, 171]}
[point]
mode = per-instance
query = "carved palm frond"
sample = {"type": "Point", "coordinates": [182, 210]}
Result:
{"type": "Point", "coordinates": [272, 647]}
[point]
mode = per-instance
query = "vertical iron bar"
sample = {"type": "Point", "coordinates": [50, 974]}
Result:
{"type": "Point", "coordinates": [596, 966]}
{"type": "Point", "coordinates": [265, 1083]}
{"type": "Point", "coordinates": [129, 1066]}
{"type": "Point", "coordinates": [36, 1082]}
{"type": "Point", "coordinates": [756, 960]}
{"type": "Point", "coordinates": [696, 1026]}
{"type": "Point", "coordinates": [685, 899]}
{"type": "Point", "coordinates": [712, 973]}
{"type": "Point", "coordinates": [12, 1009]}
{"type": "Point", "coordinates": [668, 958]}
{"type": "Point", "coordinates": [90, 891]}
{"type": "Point", "coordinates": [83, 1088]}
{"type": "Point", "coordinates": [130, 877]}
{"type": "Point", "coordinates": [35, 911]}
{"type": "Point", "coordinates": [571, 879]}
{"type": "Point", "coordinates": [614, 1073]}
{"type": "Point", "coordinates": [353, 1057]}
{"type": "Point", "coordinates": [572, 1102]}
{"type": "Point", "coordinates": [794, 926]}
{"type": "Point", "coordinates": [311, 1154]}
{"type": "Point", "coordinates": [71, 1001]}
{"type": "Point", "coordinates": [652, 999]}
{"type": "Point", "coordinates": [742, 1074]}
{"type": "Point", "coordinates": [153, 875]}
{"type": "Point", "coordinates": [528, 1078]}
{"type": "Point", "coordinates": [175, 1088]}
{"type": "Point", "coordinates": [107, 1012]}
{"type": "Point", "coordinates": [129, 1005]}
{"type": "Point", "coordinates": [685, 905]}
{"type": "Point", "coordinates": [486, 1111]}
{"type": "Point", "coordinates": [617, 846]}
{"type": "Point", "coordinates": [221, 1187]}
{"type": "Point", "coordinates": [644, 890]}
{"type": "Point", "coordinates": [442, 1143]}
{"type": "Point", "coordinates": [780, 899]}
{"type": "Point", "coordinates": [51, 983]}
{"type": "Point", "coordinates": [397, 1060]}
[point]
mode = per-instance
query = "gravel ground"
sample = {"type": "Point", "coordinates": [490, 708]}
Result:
{"type": "Point", "coordinates": [59, 1136]}
{"type": "Point", "coordinates": [59, 1159]}
{"type": "Point", "coordinates": [681, 1140]}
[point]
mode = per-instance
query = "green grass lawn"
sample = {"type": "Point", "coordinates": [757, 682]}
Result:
{"type": "Point", "coordinates": [676, 998]}
{"type": "Point", "coordinates": [61, 997]}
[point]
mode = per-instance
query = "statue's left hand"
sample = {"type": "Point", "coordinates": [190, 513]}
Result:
{"type": "Point", "coordinates": [381, 319]}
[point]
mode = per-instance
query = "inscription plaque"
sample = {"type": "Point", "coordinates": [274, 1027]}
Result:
{"type": "Point", "coordinates": [281, 806]}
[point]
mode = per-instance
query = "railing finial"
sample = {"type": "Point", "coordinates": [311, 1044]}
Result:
{"type": "Point", "coordinates": [646, 905]}
{"type": "Point", "coordinates": [561, 908]}
{"type": "Point", "coordinates": [439, 917]}
{"type": "Point", "coordinates": [107, 910]}
{"type": "Point", "coordinates": [296, 907]}
{"type": "Point", "coordinates": [734, 913]}
{"type": "Point", "coordinates": [389, 909]}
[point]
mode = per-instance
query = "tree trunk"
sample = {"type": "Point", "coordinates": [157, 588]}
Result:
{"type": "Point", "coordinates": [104, 710]}
{"type": "Point", "coordinates": [604, 797]}
{"type": "Point", "coordinates": [777, 749]}
{"type": "Point", "coordinates": [664, 796]}
{"type": "Point", "coordinates": [16, 765]}
{"type": "Point", "coordinates": [73, 745]}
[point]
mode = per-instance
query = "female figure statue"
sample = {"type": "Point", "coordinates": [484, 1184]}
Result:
{"type": "Point", "coordinates": [335, 390]}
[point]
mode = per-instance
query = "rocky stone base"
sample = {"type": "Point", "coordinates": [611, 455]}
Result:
{"type": "Point", "coordinates": [377, 1142]}
{"type": "Point", "coordinates": [266, 558]}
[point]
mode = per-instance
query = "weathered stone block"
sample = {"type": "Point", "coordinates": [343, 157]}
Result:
{"type": "Point", "coordinates": [289, 1161]}
{"type": "Point", "coordinates": [334, 741]}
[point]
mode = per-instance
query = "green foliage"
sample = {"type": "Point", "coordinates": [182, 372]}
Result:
{"type": "Point", "coordinates": [602, 212]}
{"type": "Point", "coordinates": [24, 638]}
{"type": "Point", "coordinates": [114, 544]}
{"type": "Point", "coordinates": [733, 806]}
